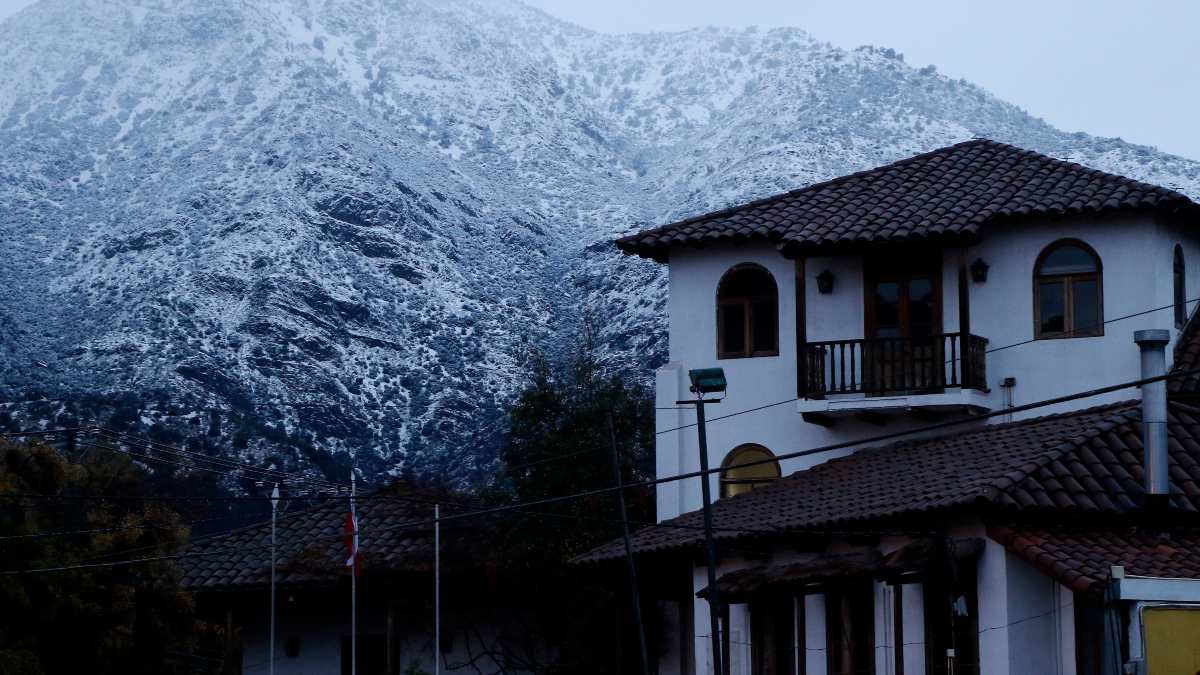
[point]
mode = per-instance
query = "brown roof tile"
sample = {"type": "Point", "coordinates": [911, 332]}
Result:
{"type": "Point", "coordinates": [1081, 558]}
{"type": "Point", "coordinates": [949, 193]}
{"type": "Point", "coordinates": [311, 548]}
{"type": "Point", "coordinates": [1084, 463]}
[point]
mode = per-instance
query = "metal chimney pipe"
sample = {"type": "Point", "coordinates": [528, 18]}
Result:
{"type": "Point", "coordinates": [1154, 408]}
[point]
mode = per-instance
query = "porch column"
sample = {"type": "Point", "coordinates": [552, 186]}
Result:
{"type": "Point", "coordinates": [814, 649]}
{"type": "Point", "coordinates": [993, 610]}
{"type": "Point", "coordinates": [912, 613]}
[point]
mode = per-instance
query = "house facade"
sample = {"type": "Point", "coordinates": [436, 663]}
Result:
{"type": "Point", "coordinates": [950, 287]}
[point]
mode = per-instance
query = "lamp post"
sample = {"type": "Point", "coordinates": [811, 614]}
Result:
{"type": "Point", "coordinates": [708, 381]}
{"type": "Point", "coordinates": [274, 507]}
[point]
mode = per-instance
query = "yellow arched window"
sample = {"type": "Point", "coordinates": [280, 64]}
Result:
{"type": "Point", "coordinates": [738, 479]}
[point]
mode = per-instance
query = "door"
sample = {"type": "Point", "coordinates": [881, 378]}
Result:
{"type": "Point", "coordinates": [903, 351]}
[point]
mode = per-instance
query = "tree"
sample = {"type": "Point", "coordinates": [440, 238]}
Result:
{"type": "Point", "coordinates": [107, 619]}
{"type": "Point", "coordinates": [559, 443]}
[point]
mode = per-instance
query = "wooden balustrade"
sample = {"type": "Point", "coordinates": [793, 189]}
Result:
{"type": "Point", "coordinates": [880, 366]}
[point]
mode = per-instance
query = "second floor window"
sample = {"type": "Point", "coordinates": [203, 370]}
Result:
{"type": "Point", "coordinates": [747, 313]}
{"type": "Point", "coordinates": [1067, 292]}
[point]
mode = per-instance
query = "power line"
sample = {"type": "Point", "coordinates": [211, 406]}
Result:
{"type": "Point", "coordinates": [821, 449]}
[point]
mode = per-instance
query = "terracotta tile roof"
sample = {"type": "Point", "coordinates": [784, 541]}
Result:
{"type": "Point", "coordinates": [311, 548]}
{"type": "Point", "coordinates": [949, 193]}
{"type": "Point", "coordinates": [1087, 462]}
{"type": "Point", "coordinates": [1081, 559]}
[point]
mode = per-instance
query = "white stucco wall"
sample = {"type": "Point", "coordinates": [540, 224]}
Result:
{"type": "Point", "coordinates": [1136, 255]}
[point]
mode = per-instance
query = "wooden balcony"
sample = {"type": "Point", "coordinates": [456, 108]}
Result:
{"type": "Point", "coordinates": [878, 367]}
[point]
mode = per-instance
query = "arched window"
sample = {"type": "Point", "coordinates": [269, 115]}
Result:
{"type": "Point", "coordinates": [738, 479]}
{"type": "Point", "coordinates": [1067, 291]}
{"type": "Point", "coordinates": [1180, 288]}
{"type": "Point", "coordinates": [747, 313]}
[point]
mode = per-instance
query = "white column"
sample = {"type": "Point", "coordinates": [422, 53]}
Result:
{"type": "Point", "coordinates": [815, 662]}
{"type": "Point", "coordinates": [739, 640]}
{"type": "Point", "coordinates": [912, 609]}
{"type": "Point", "coordinates": [669, 449]}
{"type": "Point", "coordinates": [993, 610]}
{"type": "Point", "coordinates": [885, 633]}
{"type": "Point", "coordinates": [1065, 610]}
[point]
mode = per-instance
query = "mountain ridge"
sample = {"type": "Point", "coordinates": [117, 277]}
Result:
{"type": "Point", "coordinates": [359, 214]}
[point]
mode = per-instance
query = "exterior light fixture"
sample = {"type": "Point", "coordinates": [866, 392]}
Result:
{"type": "Point", "coordinates": [825, 282]}
{"type": "Point", "coordinates": [979, 270]}
{"type": "Point", "coordinates": [707, 380]}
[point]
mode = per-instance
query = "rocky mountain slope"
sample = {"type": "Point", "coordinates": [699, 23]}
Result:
{"type": "Point", "coordinates": [340, 223]}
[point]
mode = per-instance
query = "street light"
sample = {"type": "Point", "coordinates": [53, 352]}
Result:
{"type": "Point", "coordinates": [708, 381]}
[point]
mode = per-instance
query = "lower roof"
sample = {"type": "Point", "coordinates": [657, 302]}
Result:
{"type": "Point", "coordinates": [1086, 463]}
{"type": "Point", "coordinates": [1081, 558]}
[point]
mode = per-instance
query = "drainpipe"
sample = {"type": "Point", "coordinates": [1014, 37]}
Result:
{"type": "Point", "coordinates": [1154, 412]}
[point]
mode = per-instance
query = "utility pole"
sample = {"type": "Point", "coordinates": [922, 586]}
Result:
{"type": "Point", "coordinates": [708, 381]}
{"type": "Point", "coordinates": [274, 509]}
{"type": "Point", "coordinates": [437, 590]}
{"type": "Point", "coordinates": [633, 582]}
{"type": "Point", "coordinates": [353, 583]}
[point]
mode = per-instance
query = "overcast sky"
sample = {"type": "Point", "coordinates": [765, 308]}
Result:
{"type": "Point", "coordinates": [1128, 68]}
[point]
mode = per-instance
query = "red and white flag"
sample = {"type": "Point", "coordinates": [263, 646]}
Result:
{"type": "Point", "coordinates": [350, 530]}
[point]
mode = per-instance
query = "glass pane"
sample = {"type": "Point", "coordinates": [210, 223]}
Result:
{"type": "Point", "coordinates": [1052, 306]}
{"type": "Point", "coordinates": [765, 470]}
{"type": "Point", "coordinates": [764, 332]}
{"type": "Point", "coordinates": [887, 309]}
{"type": "Point", "coordinates": [747, 282]}
{"type": "Point", "coordinates": [1068, 260]}
{"type": "Point", "coordinates": [733, 328]}
{"type": "Point", "coordinates": [1085, 306]}
{"type": "Point", "coordinates": [920, 308]}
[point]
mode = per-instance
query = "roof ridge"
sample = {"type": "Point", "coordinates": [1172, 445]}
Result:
{"type": "Point", "coordinates": [837, 180]}
{"type": "Point", "coordinates": [985, 180]}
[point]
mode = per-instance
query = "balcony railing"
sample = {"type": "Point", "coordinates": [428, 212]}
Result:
{"type": "Point", "coordinates": [892, 366]}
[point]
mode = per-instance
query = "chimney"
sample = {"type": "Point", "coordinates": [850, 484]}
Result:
{"type": "Point", "coordinates": [1154, 411]}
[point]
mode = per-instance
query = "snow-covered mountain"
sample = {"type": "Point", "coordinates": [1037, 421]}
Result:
{"type": "Point", "coordinates": [341, 222]}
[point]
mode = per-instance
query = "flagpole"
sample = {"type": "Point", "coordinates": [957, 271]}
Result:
{"type": "Point", "coordinates": [353, 585]}
{"type": "Point", "coordinates": [437, 591]}
{"type": "Point", "coordinates": [274, 505]}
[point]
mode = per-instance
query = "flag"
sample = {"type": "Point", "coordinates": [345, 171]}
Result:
{"type": "Point", "coordinates": [350, 531]}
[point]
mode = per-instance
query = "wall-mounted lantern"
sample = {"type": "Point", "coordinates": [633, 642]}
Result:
{"type": "Point", "coordinates": [825, 282]}
{"type": "Point", "coordinates": [979, 270]}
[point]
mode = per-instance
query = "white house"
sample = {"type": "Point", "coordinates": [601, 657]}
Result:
{"type": "Point", "coordinates": [954, 285]}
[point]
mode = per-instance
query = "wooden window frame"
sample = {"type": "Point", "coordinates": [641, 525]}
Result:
{"type": "Point", "coordinates": [747, 305]}
{"type": "Point", "coordinates": [878, 269]}
{"type": "Point", "coordinates": [1179, 281]}
{"type": "Point", "coordinates": [1068, 281]}
{"type": "Point", "coordinates": [731, 458]}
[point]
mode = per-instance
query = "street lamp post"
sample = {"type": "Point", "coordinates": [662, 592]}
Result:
{"type": "Point", "coordinates": [708, 381]}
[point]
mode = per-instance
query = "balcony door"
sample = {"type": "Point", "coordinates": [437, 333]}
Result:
{"type": "Point", "coordinates": [904, 348]}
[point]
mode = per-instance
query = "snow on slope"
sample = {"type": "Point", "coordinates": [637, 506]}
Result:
{"type": "Point", "coordinates": [346, 219]}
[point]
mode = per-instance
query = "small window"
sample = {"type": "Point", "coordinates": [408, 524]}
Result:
{"type": "Point", "coordinates": [747, 313]}
{"type": "Point", "coordinates": [738, 479]}
{"type": "Point", "coordinates": [1180, 288]}
{"type": "Point", "coordinates": [1067, 292]}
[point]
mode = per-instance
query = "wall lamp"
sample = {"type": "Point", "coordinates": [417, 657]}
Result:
{"type": "Point", "coordinates": [979, 270]}
{"type": "Point", "coordinates": [825, 282]}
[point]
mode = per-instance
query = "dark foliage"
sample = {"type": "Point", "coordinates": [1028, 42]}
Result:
{"type": "Point", "coordinates": [108, 619]}
{"type": "Point", "coordinates": [560, 442]}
